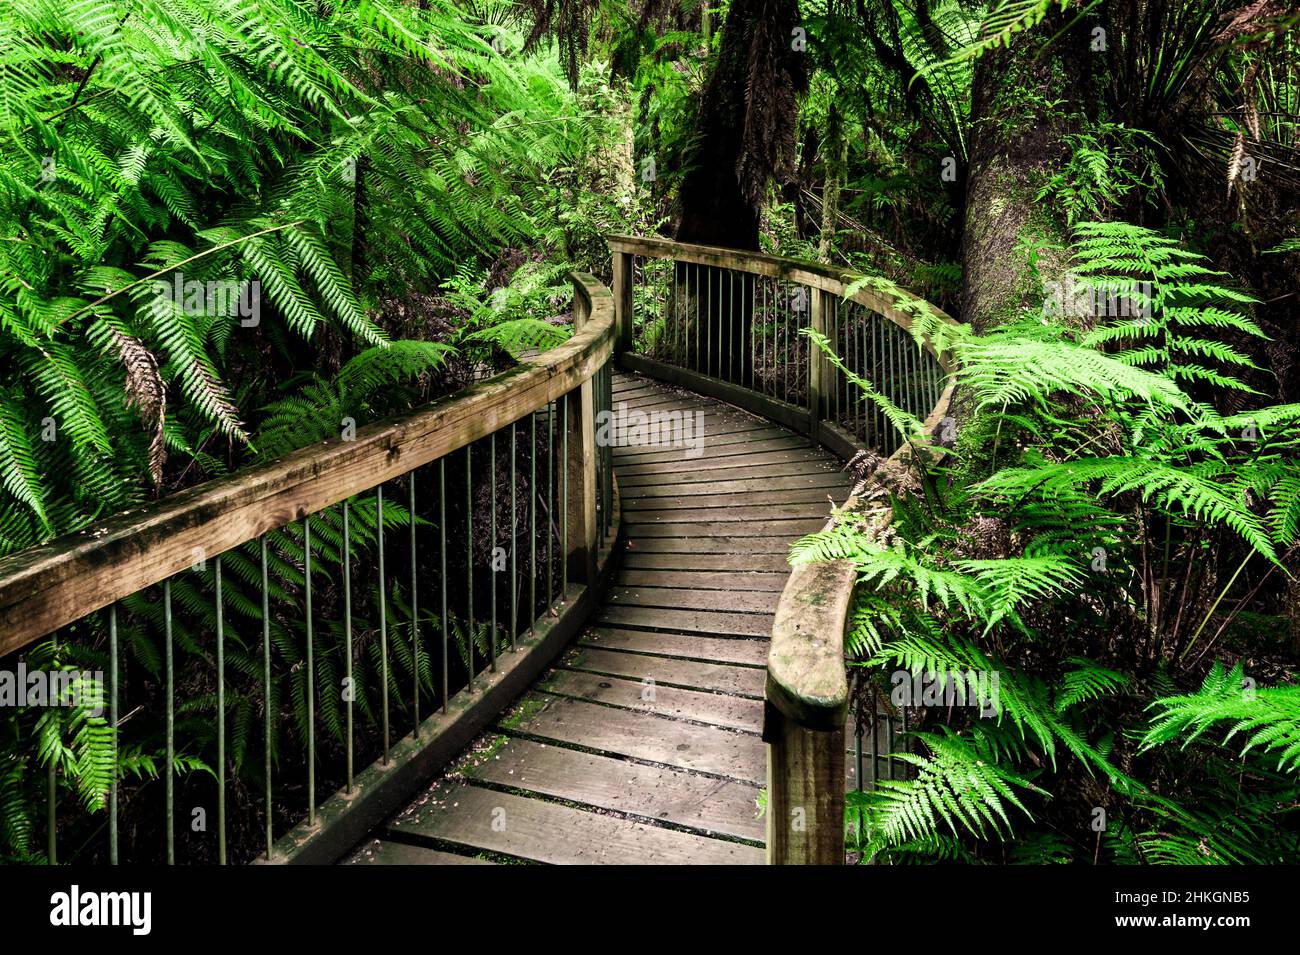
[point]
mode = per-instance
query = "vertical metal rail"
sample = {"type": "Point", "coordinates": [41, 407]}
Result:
{"type": "Point", "coordinates": [550, 503]}
{"type": "Point", "coordinates": [221, 716]}
{"type": "Point", "coordinates": [514, 539]}
{"type": "Point", "coordinates": [169, 794]}
{"type": "Point", "coordinates": [442, 576]}
{"type": "Point", "coordinates": [415, 612]}
{"type": "Point", "coordinates": [114, 673]}
{"type": "Point", "coordinates": [532, 524]}
{"type": "Point", "coordinates": [348, 683]}
{"type": "Point", "coordinates": [52, 783]}
{"type": "Point", "coordinates": [266, 701]}
{"type": "Point", "coordinates": [469, 562]}
{"type": "Point", "coordinates": [383, 618]}
{"type": "Point", "coordinates": [311, 674]}
{"type": "Point", "coordinates": [492, 543]}
{"type": "Point", "coordinates": [564, 495]}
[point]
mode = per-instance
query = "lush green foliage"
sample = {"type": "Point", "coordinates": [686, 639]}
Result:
{"type": "Point", "coordinates": [1075, 572]}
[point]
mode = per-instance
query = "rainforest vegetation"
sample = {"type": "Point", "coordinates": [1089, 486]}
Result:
{"type": "Point", "coordinates": [1103, 193]}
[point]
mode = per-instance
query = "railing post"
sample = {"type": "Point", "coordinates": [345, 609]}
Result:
{"type": "Point", "coordinates": [816, 362]}
{"type": "Point", "coordinates": [580, 424]}
{"type": "Point", "coordinates": [805, 708]}
{"type": "Point", "coordinates": [622, 302]}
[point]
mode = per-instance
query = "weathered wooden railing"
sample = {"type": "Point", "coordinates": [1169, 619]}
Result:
{"type": "Point", "coordinates": [734, 325]}
{"type": "Point", "coordinates": [517, 452]}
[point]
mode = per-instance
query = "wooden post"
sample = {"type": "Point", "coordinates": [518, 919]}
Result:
{"type": "Point", "coordinates": [805, 708]}
{"type": "Point", "coordinates": [622, 302]}
{"type": "Point", "coordinates": [816, 361]}
{"type": "Point", "coordinates": [805, 796]}
{"type": "Point", "coordinates": [580, 424]}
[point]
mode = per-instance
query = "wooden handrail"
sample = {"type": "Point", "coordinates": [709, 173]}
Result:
{"type": "Point", "coordinates": [828, 278]}
{"type": "Point", "coordinates": [49, 586]}
{"type": "Point", "coordinates": [806, 695]}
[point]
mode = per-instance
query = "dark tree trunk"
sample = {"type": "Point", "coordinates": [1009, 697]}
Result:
{"type": "Point", "coordinates": [746, 125]}
{"type": "Point", "coordinates": [746, 133]}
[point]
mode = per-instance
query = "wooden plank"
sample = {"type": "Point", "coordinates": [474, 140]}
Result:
{"type": "Point", "coordinates": [802, 454]}
{"type": "Point", "coordinates": [754, 442]}
{"type": "Point", "coordinates": [637, 560]}
{"type": "Point", "coordinates": [687, 621]}
{"type": "Point", "coordinates": [484, 819]}
{"type": "Point", "coordinates": [647, 736]}
{"type": "Point", "coordinates": [386, 852]}
{"type": "Point", "coordinates": [774, 546]}
{"type": "Point", "coordinates": [732, 581]}
{"type": "Point", "coordinates": [735, 650]}
{"type": "Point", "coordinates": [731, 601]}
{"type": "Point", "coordinates": [635, 515]}
{"type": "Point", "coordinates": [655, 792]}
{"type": "Point", "coordinates": [706, 427]}
{"type": "Point", "coordinates": [819, 480]}
{"type": "Point", "coordinates": [668, 671]}
{"type": "Point", "coordinates": [782, 412]}
{"type": "Point", "coordinates": [787, 530]}
{"type": "Point", "coordinates": [715, 709]}
{"type": "Point", "coordinates": [661, 502]}
{"type": "Point", "coordinates": [701, 480]}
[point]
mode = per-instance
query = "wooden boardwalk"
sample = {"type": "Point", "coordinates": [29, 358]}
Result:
{"type": "Point", "coordinates": [642, 745]}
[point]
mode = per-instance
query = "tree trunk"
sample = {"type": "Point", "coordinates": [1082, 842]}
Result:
{"type": "Point", "coordinates": [1025, 98]}
{"type": "Point", "coordinates": [746, 132]}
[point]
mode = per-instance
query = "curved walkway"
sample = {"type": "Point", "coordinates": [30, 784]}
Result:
{"type": "Point", "coordinates": [642, 745]}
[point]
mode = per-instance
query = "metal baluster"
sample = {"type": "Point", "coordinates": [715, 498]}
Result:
{"type": "Point", "coordinates": [889, 741]}
{"type": "Point", "coordinates": [564, 495]}
{"type": "Point", "coordinates": [857, 767]}
{"type": "Point", "coordinates": [731, 324]}
{"type": "Point", "coordinates": [786, 356]}
{"type": "Point", "coordinates": [221, 719]}
{"type": "Point", "coordinates": [347, 636]}
{"type": "Point", "coordinates": [383, 617]}
{"type": "Point", "coordinates": [679, 323]}
{"type": "Point", "coordinates": [878, 364]}
{"type": "Point", "coordinates": [696, 300]}
{"type": "Point", "coordinates": [550, 503]}
{"type": "Point", "coordinates": [112, 719]}
{"type": "Point", "coordinates": [415, 611]}
{"type": "Point", "coordinates": [767, 336]}
{"type": "Point", "coordinates": [838, 379]}
{"type": "Point", "coordinates": [311, 675]}
{"type": "Point", "coordinates": [469, 559]}
{"type": "Point", "coordinates": [52, 786]}
{"type": "Point", "coordinates": [266, 696]}
{"type": "Point", "coordinates": [532, 517]}
{"type": "Point", "coordinates": [169, 792]}
{"type": "Point", "coordinates": [514, 541]}
{"type": "Point", "coordinates": [492, 477]}
{"type": "Point", "coordinates": [442, 539]}
{"type": "Point", "coordinates": [899, 377]}
{"type": "Point", "coordinates": [863, 358]}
